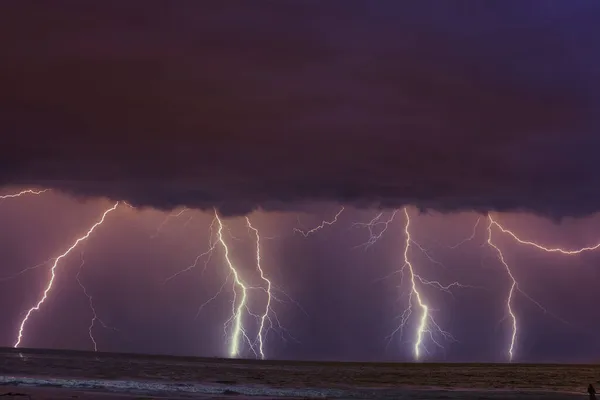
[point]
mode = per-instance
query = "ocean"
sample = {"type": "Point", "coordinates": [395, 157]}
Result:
{"type": "Point", "coordinates": [44, 374]}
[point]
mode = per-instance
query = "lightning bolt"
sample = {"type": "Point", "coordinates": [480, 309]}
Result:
{"type": "Point", "coordinates": [212, 245]}
{"type": "Point", "coordinates": [426, 323]}
{"type": "Point", "coordinates": [373, 225]}
{"type": "Point", "coordinates": [414, 291]}
{"type": "Point", "coordinates": [53, 273]}
{"type": "Point", "coordinates": [268, 319]}
{"type": "Point", "coordinates": [236, 316]}
{"type": "Point", "coordinates": [539, 246]}
{"type": "Point", "coordinates": [208, 254]}
{"type": "Point", "coordinates": [215, 239]}
{"type": "Point", "coordinates": [514, 287]}
{"type": "Point", "coordinates": [269, 315]}
{"type": "Point", "coordinates": [189, 220]}
{"type": "Point", "coordinates": [22, 193]}
{"type": "Point", "coordinates": [91, 305]}
{"type": "Point", "coordinates": [6, 278]}
{"type": "Point", "coordinates": [457, 245]}
{"type": "Point", "coordinates": [323, 224]}
{"type": "Point", "coordinates": [427, 326]}
{"type": "Point", "coordinates": [267, 310]}
{"type": "Point", "coordinates": [167, 218]}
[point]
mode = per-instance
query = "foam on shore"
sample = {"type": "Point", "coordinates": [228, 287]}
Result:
{"type": "Point", "coordinates": [183, 389]}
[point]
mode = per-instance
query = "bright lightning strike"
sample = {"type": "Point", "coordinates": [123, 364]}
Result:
{"type": "Point", "coordinates": [323, 224]}
{"type": "Point", "coordinates": [424, 308]}
{"type": "Point", "coordinates": [22, 193]}
{"type": "Point", "coordinates": [268, 319]}
{"type": "Point", "coordinates": [427, 324]}
{"type": "Point", "coordinates": [53, 273]}
{"type": "Point", "coordinates": [237, 310]}
{"type": "Point", "coordinates": [514, 284]}
{"type": "Point", "coordinates": [267, 310]}
{"type": "Point", "coordinates": [539, 246]}
{"type": "Point", "coordinates": [236, 316]}
{"type": "Point", "coordinates": [91, 305]}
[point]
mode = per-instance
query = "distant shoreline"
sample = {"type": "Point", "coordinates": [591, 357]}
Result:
{"type": "Point", "coordinates": [83, 354]}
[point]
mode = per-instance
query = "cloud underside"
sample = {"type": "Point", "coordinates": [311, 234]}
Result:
{"type": "Point", "coordinates": [278, 104]}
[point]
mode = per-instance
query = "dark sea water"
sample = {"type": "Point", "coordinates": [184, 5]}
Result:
{"type": "Point", "coordinates": [162, 376]}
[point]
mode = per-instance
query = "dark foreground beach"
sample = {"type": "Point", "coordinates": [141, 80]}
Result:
{"type": "Point", "coordinates": [43, 374]}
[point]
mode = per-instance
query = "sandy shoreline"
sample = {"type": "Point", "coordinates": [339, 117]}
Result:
{"type": "Point", "coordinates": [31, 388]}
{"type": "Point", "coordinates": [36, 393]}
{"type": "Point", "coordinates": [43, 374]}
{"type": "Point", "coordinates": [293, 375]}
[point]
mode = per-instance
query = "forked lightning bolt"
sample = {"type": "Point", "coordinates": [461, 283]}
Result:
{"type": "Point", "coordinates": [268, 319]}
{"type": "Point", "coordinates": [426, 322]}
{"type": "Point", "coordinates": [208, 254]}
{"type": "Point", "coordinates": [376, 228]}
{"type": "Point", "coordinates": [22, 193]}
{"type": "Point", "coordinates": [237, 311]}
{"type": "Point", "coordinates": [239, 331]}
{"type": "Point", "coordinates": [91, 305]}
{"type": "Point", "coordinates": [267, 311]}
{"type": "Point", "coordinates": [53, 274]}
{"type": "Point", "coordinates": [236, 318]}
{"type": "Point", "coordinates": [543, 248]}
{"type": "Point", "coordinates": [514, 284]}
{"type": "Point", "coordinates": [457, 245]}
{"type": "Point", "coordinates": [309, 232]}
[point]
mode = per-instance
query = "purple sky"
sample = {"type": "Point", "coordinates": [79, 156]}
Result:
{"type": "Point", "coordinates": [344, 310]}
{"type": "Point", "coordinates": [296, 108]}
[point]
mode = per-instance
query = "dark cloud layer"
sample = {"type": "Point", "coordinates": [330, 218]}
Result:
{"type": "Point", "coordinates": [244, 104]}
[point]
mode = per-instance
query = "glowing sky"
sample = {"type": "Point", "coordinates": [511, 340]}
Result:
{"type": "Point", "coordinates": [340, 307]}
{"type": "Point", "coordinates": [296, 109]}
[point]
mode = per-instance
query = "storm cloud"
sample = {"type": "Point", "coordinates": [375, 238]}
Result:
{"type": "Point", "coordinates": [273, 104]}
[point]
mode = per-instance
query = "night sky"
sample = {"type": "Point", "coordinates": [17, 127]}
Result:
{"type": "Point", "coordinates": [285, 112]}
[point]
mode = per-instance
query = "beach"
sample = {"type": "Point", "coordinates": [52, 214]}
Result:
{"type": "Point", "coordinates": [44, 374]}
